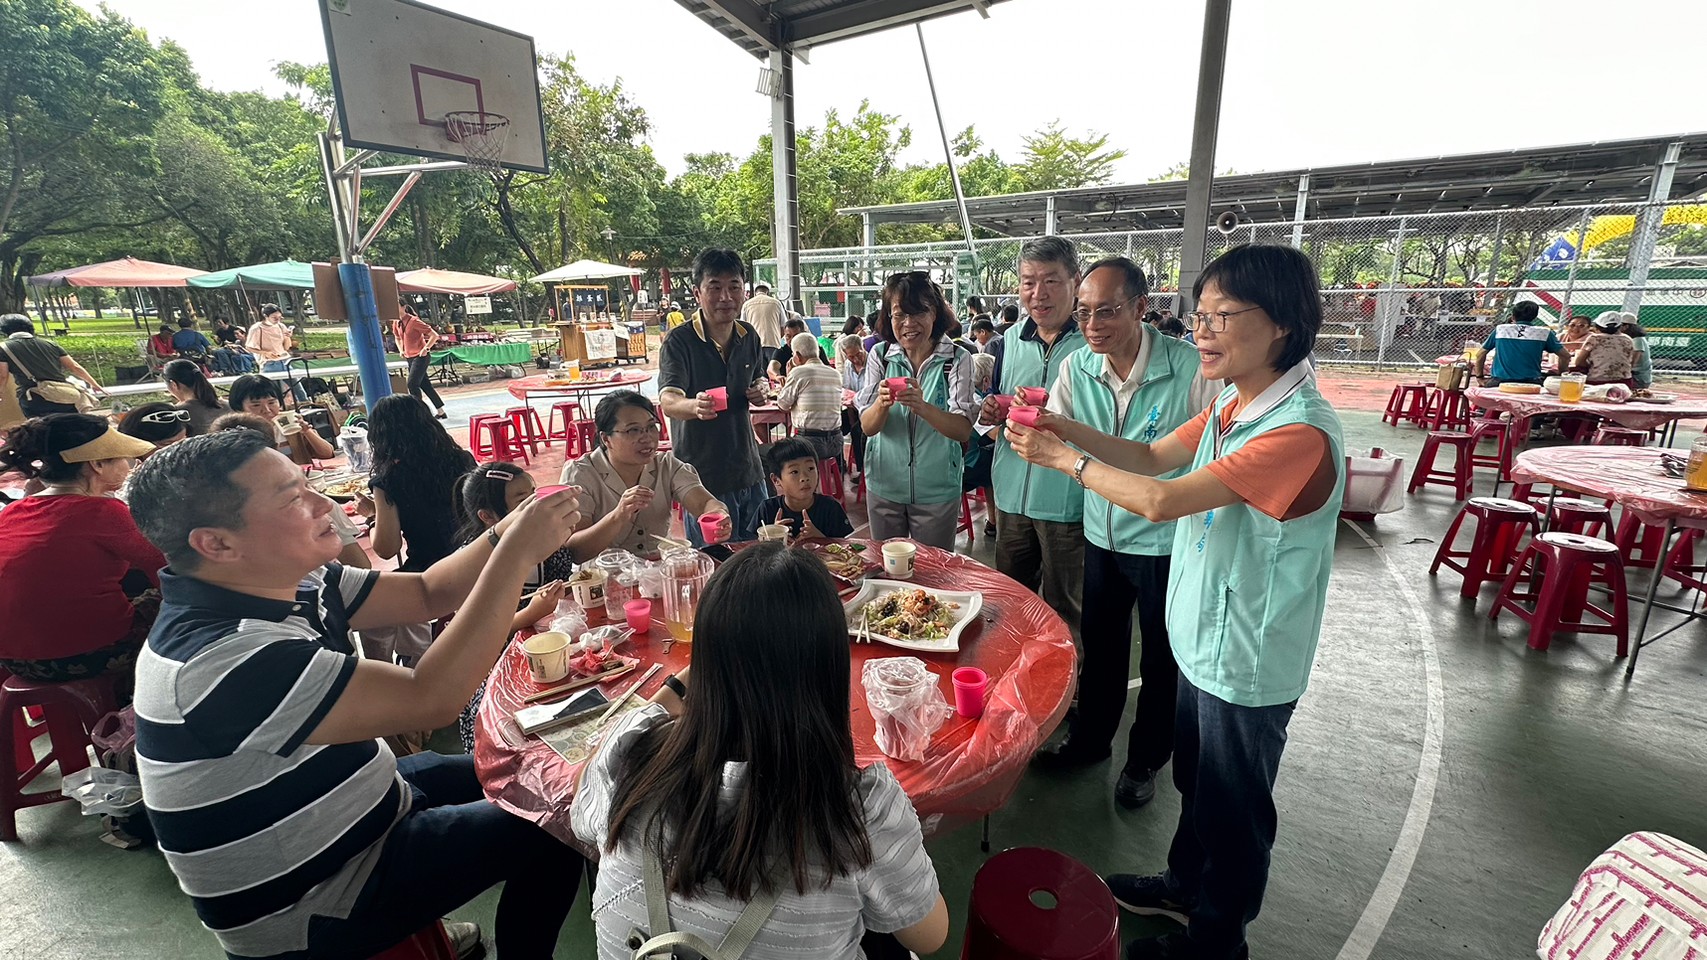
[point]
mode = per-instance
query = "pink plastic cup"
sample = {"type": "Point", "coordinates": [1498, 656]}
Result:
{"type": "Point", "coordinates": [969, 685]}
{"type": "Point", "coordinates": [540, 493]}
{"type": "Point", "coordinates": [719, 398]}
{"type": "Point", "coordinates": [639, 615]}
{"type": "Point", "coordinates": [896, 385]}
{"type": "Point", "coordinates": [1024, 416]}
{"type": "Point", "coordinates": [1003, 402]}
{"type": "Point", "coordinates": [708, 525]}
{"type": "Point", "coordinates": [1036, 396]}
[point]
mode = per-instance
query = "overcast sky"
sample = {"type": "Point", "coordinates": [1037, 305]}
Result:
{"type": "Point", "coordinates": [1309, 82]}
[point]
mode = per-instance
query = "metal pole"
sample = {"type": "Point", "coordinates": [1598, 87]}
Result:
{"type": "Point", "coordinates": [1648, 223]}
{"type": "Point", "coordinates": [1576, 258]}
{"type": "Point", "coordinates": [784, 177]}
{"type": "Point", "coordinates": [947, 151]}
{"type": "Point", "coordinates": [1049, 215]}
{"type": "Point", "coordinates": [1494, 261]}
{"type": "Point", "coordinates": [1211, 71]}
{"type": "Point", "coordinates": [1386, 321]}
{"type": "Point", "coordinates": [367, 344]}
{"type": "Point", "coordinates": [1298, 212]}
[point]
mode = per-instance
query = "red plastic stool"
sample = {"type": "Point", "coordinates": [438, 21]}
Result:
{"type": "Point", "coordinates": [560, 425]}
{"type": "Point", "coordinates": [1406, 404]}
{"type": "Point", "coordinates": [1680, 561]}
{"type": "Point", "coordinates": [430, 943]}
{"type": "Point", "coordinates": [966, 518]}
{"type": "Point", "coordinates": [526, 427]}
{"type": "Point", "coordinates": [69, 710]}
{"type": "Point", "coordinates": [1525, 493]}
{"type": "Point", "coordinates": [1639, 543]}
{"type": "Point", "coordinates": [491, 439]}
{"type": "Point", "coordinates": [1619, 437]}
{"type": "Point", "coordinates": [587, 435]}
{"type": "Point", "coordinates": [1557, 569]}
{"type": "Point", "coordinates": [1500, 525]}
{"type": "Point", "coordinates": [1029, 903]}
{"type": "Point", "coordinates": [830, 478]}
{"type": "Point", "coordinates": [1447, 409]}
{"type": "Point", "coordinates": [482, 449]}
{"type": "Point", "coordinates": [1500, 462]}
{"type": "Point", "coordinates": [1585, 517]}
{"type": "Point", "coordinates": [1458, 478]}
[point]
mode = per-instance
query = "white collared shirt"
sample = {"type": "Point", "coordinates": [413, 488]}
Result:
{"type": "Point", "coordinates": [1125, 388]}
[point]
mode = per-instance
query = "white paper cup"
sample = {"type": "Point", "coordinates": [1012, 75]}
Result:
{"type": "Point", "coordinates": [588, 586]}
{"type": "Point", "coordinates": [898, 559]}
{"type": "Point", "coordinates": [548, 656]}
{"type": "Point", "coordinates": [773, 531]}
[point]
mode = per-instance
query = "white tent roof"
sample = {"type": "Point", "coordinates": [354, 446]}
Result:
{"type": "Point", "coordinates": [586, 270]}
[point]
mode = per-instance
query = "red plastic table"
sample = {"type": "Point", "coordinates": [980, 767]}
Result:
{"type": "Point", "coordinates": [972, 766]}
{"type": "Point", "coordinates": [526, 388]}
{"type": "Point", "coordinates": [1635, 414]}
{"type": "Point", "coordinates": [1633, 477]}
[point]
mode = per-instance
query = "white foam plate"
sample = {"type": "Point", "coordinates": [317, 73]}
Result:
{"type": "Point", "coordinates": [970, 603]}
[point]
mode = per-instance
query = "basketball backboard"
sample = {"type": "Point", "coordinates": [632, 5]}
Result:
{"type": "Point", "coordinates": [400, 67]}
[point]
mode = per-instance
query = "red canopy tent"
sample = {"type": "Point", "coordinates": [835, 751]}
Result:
{"type": "Point", "coordinates": [453, 282]}
{"type": "Point", "coordinates": [128, 272]}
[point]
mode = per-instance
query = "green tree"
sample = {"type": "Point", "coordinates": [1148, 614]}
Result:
{"type": "Point", "coordinates": [1052, 160]}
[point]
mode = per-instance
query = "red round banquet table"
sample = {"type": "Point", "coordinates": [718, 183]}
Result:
{"type": "Point", "coordinates": [969, 771]}
{"type": "Point", "coordinates": [526, 388]}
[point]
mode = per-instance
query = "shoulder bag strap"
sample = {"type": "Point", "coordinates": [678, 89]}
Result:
{"type": "Point", "coordinates": [734, 944]}
{"type": "Point", "coordinates": [18, 366]}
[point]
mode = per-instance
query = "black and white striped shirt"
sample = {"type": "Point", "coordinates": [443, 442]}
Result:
{"type": "Point", "coordinates": [263, 830]}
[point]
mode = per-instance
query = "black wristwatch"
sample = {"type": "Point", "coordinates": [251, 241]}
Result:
{"type": "Point", "coordinates": [679, 688]}
{"type": "Point", "coordinates": [492, 537]}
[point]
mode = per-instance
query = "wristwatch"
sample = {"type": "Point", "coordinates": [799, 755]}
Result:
{"type": "Point", "coordinates": [1079, 469]}
{"type": "Point", "coordinates": [492, 537]}
{"type": "Point", "coordinates": [679, 688]}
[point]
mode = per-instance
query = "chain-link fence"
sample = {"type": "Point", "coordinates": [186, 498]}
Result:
{"type": "Point", "coordinates": [1398, 291]}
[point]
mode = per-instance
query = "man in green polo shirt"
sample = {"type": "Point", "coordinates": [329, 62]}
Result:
{"type": "Point", "coordinates": [716, 349]}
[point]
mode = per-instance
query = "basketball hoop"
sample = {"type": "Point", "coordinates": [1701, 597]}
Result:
{"type": "Point", "coordinates": [481, 135]}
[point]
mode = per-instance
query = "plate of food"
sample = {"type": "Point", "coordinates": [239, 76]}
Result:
{"type": "Point", "coordinates": [343, 488]}
{"type": "Point", "coordinates": [1652, 396]}
{"type": "Point", "coordinates": [912, 617]}
{"type": "Point", "coordinates": [849, 561]}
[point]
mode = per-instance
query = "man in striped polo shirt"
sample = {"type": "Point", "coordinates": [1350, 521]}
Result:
{"type": "Point", "coordinates": [278, 806]}
{"type": "Point", "coordinates": [813, 395]}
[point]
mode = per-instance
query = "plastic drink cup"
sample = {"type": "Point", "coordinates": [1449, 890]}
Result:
{"type": "Point", "coordinates": [540, 493]}
{"type": "Point", "coordinates": [898, 557]}
{"type": "Point", "coordinates": [639, 615]}
{"type": "Point", "coordinates": [1036, 396]}
{"type": "Point", "coordinates": [719, 398]}
{"type": "Point", "coordinates": [548, 656]}
{"type": "Point", "coordinates": [1004, 402]}
{"type": "Point", "coordinates": [708, 526]}
{"type": "Point", "coordinates": [969, 686]}
{"type": "Point", "coordinates": [1024, 416]}
{"type": "Point", "coordinates": [896, 385]}
{"type": "Point", "coordinates": [1571, 387]}
{"type": "Point", "coordinates": [773, 531]}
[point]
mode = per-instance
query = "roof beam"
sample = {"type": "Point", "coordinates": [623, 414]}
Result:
{"type": "Point", "coordinates": [743, 16]}
{"type": "Point", "coordinates": [869, 16]}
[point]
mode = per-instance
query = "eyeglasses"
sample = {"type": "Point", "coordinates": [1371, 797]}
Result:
{"type": "Point", "coordinates": [167, 416]}
{"type": "Point", "coordinates": [1215, 322]}
{"type": "Point", "coordinates": [1102, 314]}
{"type": "Point", "coordinates": [639, 430]}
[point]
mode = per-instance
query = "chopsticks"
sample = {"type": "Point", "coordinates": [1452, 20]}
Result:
{"type": "Point", "coordinates": [577, 683]}
{"type": "Point", "coordinates": [616, 704]}
{"type": "Point", "coordinates": [542, 591]}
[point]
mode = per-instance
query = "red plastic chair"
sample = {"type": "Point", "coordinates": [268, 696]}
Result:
{"type": "Point", "coordinates": [1586, 517]}
{"type": "Point", "coordinates": [526, 427]}
{"type": "Point", "coordinates": [1407, 404]}
{"type": "Point", "coordinates": [491, 439]}
{"type": "Point", "coordinates": [1494, 545]}
{"type": "Point", "coordinates": [479, 441]}
{"type": "Point", "coordinates": [1554, 574]}
{"type": "Point", "coordinates": [1610, 436]}
{"type": "Point", "coordinates": [830, 478]}
{"type": "Point", "coordinates": [1458, 478]}
{"type": "Point", "coordinates": [430, 943]}
{"type": "Point", "coordinates": [1447, 410]}
{"type": "Point", "coordinates": [560, 425]}
{"type": "Point", "coordinates": [1500, 462]}
{"type": "Point", "coordinates": [69, 711]}
{"type": "Point", "coordinates": [1639, 543]}
{"type": "Point", "coordinates": [1034, 904]}
{"type": "Point", "coordinates": [1680, 561]}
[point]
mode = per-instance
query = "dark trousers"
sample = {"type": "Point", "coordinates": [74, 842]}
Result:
{"type": "Point", "coordinates": [1115, 583]}
{"type": "Point", "coordinates": [453, 845]}
{"type": "Point", "coordinates": [34, 407]}
{"type": "Point", "coordinates": [418, 384]}
{"type": "Point", "coordinates": [1226, 758]}
{"type": "Point", "coordinates": [856, 437]}
{"type": "Point", "coordinates": [1045, 557]}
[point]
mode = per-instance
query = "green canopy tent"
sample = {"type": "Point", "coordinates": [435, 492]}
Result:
{"type": "Point", "coordinates": [289, 275]}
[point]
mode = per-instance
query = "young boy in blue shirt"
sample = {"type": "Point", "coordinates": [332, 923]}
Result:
{"type": "Point", "coordinates": [793, 467]}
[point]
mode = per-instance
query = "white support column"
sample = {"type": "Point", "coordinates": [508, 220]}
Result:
{"type": "Point", "coordinates": [1298, 211]}
{"type": "Point", "coordinates": [785, 179]}
{"type": "Point", "coordinates": [1648, 223]}
{"type": "Point", "coordinates": [1200, 186]}
{"type": "Point", "coordinates": [1049, 216]}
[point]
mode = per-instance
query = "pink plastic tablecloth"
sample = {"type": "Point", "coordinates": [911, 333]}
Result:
{"type": "Point", "coordinates": [1632, 476]}
{"type": "Point", "coordinates": [1635, 414]}
{"type": "Point", "coordinates": [972, 766]}
{"type": "Point", "coordinates": [523, 387]}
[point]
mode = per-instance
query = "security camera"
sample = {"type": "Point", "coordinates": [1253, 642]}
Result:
{"type": "Point", "coordinates": [1227, 222]}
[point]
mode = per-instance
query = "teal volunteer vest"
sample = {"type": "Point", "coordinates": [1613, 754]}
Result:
{"type": "Point", "coordinates": [1163, 403]}
{"type": "Point", "coordinates": [1031, 491]}
{"type": "Point", "coordinates": [908, 461]}
{"type": "Point", "coordinates": [1246, 592]}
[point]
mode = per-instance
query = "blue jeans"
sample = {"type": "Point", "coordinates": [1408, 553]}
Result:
{"type": "Point", "coordinates": [743, 507]}
{"type": "Point", "coordinates": [453, 845]}
{"type": "Point", "coordinates": [1226, 758]}
{"type": "Point", "coordinates": [283, 366]}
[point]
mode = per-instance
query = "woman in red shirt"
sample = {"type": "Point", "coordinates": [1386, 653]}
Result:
{"type": "Point", "coordinates": [77, 579]}
{"type": "Point", "coordinates": [415, 341]}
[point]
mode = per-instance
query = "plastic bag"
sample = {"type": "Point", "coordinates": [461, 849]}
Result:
{"type": "Point", "coordinates": [906, 704]}
{"type": "Point", "coordinates": [1374, 484]}
{"type": "Point", "coordinates": [570, 621]}
{"type": "Point", "coordinates": [104, 792]}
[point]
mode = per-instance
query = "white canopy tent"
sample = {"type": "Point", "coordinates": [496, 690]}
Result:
{"type": "Point", "coordinates": [586, 270]}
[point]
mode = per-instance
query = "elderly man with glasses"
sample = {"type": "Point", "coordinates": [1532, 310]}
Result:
{"type": "Point", "coordinates": [1133, 384]}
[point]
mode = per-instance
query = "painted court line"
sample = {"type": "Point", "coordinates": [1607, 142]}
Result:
{"type": "Point", "coordinates": [1385, 899]}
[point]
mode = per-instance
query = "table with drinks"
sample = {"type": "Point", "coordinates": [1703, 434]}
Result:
{"type": "Point", "coordinates": [1638, 479]}
{"type": "Point", "coordinates": [1636, 414]}
{"type": "Point", "coordinates": [969, 769]}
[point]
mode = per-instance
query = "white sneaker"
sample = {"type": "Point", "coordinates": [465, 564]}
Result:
{"type": "Point", "coordinates": [465, 940]}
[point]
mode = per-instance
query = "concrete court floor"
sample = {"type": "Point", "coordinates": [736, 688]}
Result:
{"type": "Point", "coordinates": [1539, 761]}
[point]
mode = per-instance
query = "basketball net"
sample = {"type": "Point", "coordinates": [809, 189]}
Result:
{"type": "Point", "coordinates": [482, 137]}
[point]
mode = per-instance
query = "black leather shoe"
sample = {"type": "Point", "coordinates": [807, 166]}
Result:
{"type": "Point", "coordinates": [1068, 755]}
{"type": "Point", "coordinates": [1134, 790]}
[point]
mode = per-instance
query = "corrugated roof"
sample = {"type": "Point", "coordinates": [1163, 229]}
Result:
{"type": "Point", "coordinates": [759, 28]}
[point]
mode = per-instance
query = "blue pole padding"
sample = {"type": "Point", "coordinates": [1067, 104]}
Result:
{"type": "Point", "coordinates": [367, 344]}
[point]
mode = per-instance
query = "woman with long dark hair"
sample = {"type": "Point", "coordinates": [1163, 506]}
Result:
{"type": "Point", "coordinates": [77, 579]}
{"type": "Point", "coordinates": [195, 395]}
{"type": "Point", "coordinates": [416, 466]}
{"type": "Point", "coordinates": [746, 790]}
{"type": "Point", "coordinates": [915, 455]}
